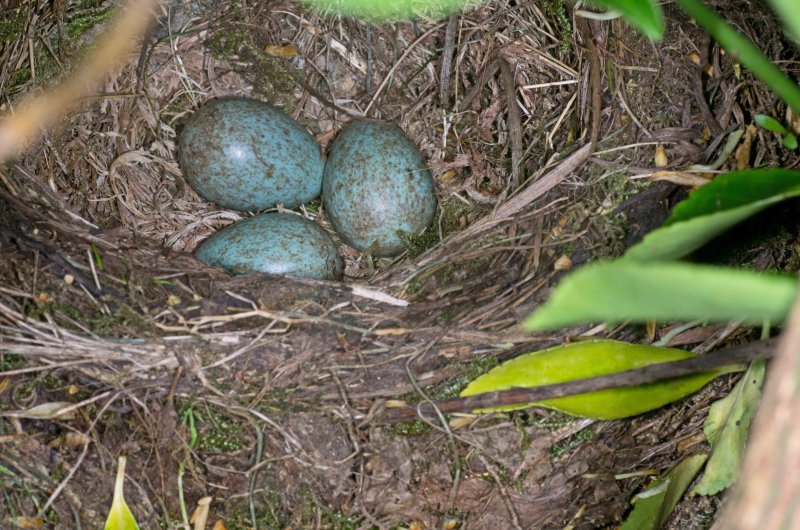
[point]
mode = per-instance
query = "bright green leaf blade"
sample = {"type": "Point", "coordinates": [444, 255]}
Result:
{"type": "Point", "coordinates": [789, 15]}
{"type": "Point", "coordinates": [790, 141]}
{"type": "Point", "coordinates": [644, 15]}
{"type": "Point", "coordinates": [714, 208]}
{"type": "Point", "coordinates": [120, 516]}
{"type": "Point", "coordinates": [589, 359]}
{"type": "Point", "coordinates": [738, 188]}
{"type": "Point", "coordinates": [769, 123]}
{"type": "Point", "coordinates": [622, 290]}
{"type": "Point", "coordinates": [653, 506]}
{"type": "Point", "coordinates": [726, 428]}
{"type": "Point", "coordinates": [392, 10]}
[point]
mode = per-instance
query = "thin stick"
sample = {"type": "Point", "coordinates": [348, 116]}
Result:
{"type": "Point", "coordinates": [18, 131]}
{"type": "Point", "coordinates": [514, 121]}
{"type": "Point", "coordinates": [447, 61]}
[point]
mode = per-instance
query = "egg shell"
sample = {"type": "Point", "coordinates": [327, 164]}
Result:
{"type": "Point", "coordinates": [375, 184]}
{"type": "Point", "coordinates": [247, 155]}
{"type": "Point", "coordinates": [274, 243]}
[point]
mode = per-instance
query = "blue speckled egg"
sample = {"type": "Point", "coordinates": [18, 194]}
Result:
{"type": "Point", "coordinates": [275, 243]}
{"type": "Point", "coordinates": [245, 154]}
{"type": "Point", "coordinates": [375, 185]}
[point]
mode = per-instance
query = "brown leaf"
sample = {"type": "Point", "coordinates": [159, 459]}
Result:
{"type": "Point", "coordinates": [288, 50]}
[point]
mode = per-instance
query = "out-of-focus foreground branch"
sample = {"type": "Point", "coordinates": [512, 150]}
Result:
{"type": "Point", "coordinates": [19, 130]}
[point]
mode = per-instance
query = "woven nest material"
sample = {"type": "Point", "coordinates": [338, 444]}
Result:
{"type": "Point", "coordinates": [98, 284]}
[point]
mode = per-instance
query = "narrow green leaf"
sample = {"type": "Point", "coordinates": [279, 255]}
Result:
{"type": "Point", "coordinates": [581, 360]}
{"type": "Point", "coordinates": [120, 516]}
{"type": "Point", "coordinates": [714, 208]}
{"type": "Point", "coordinates": [644, 15]}
{"type": "Point", "coordinates": [730, 146]}
{"type": "Point", "coordinates": [622, 290]}
{"type": "Point", "coordinates": [726, 428]}
{"type": "Point", "coordinates": [653, 506]}
{"type": "Point", "coordinates": [790, 141]}
{"type": "Point", "coordinates": [789, 15]}
{"type": "Point", "coordinates": [769, 123]}
{"type": "Point", "coordinates": [98, 259]}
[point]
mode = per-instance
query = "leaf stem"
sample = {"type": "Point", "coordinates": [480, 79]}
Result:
{"type": "Point", "coordinates": [740, 46]}
{"type": "Point", "coordinates": [119, 483]}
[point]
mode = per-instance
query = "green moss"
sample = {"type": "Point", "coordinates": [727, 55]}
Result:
{"type": "Point", "coordinates": [338, 520]}
{"type": "Point", "coordinates": [552, 422]}
{"type": "Point", "coordinates": [215, 431]}
{"type": "Point", "coordinates": [567, 446]}
{"type": "Point", "coordinates": [410, 428]}
{"type": "Point", "coordinates": [234, 41]}
{"type": "Point", "coordinates": [218, 433]}
{"type": "Point", "coordinates": [22, 76]}
{"type": "Point", "coordinates": [270, 514]}
{"type": "Point", "coordinates": [78, 26]}
{"type": "Point", "coordinates": [122, 320]}
{"type": "Point", "coordinates": [557, 10]}
{"type": "Point", "coordinates": [9, 361]}
{"type": "Point", "coordinates": [448, 216]}
{"type": "Point", "coordinates": [10, 28]}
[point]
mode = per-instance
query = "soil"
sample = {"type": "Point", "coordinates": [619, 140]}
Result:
{"type": "Point", "coordinates": [269, 394]}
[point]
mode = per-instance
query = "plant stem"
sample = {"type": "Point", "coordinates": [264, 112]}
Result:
{"type": "Point", "coordinates": [741, 47]}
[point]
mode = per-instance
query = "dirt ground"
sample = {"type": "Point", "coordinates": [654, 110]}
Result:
{"type": "Point", "coordinates": [270, 394]}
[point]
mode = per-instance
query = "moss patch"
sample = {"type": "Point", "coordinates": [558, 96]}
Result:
{"type": "Point", "coordinates": [448, 219]}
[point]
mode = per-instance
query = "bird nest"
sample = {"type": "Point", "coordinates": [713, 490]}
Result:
{"type": "Point", "coordinates": [268, 393]}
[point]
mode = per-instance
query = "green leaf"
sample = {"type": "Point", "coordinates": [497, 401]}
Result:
{"type": "Point", "coordinates": [644, 15]}
{"type": "Point", "coordinates": [769, 123]}
{"type": "Point", "coordinates": [713, 209]}
{"type": "Point", "coordinates": [790, 141]}
{"type": "Point", "coordinates": [726, 428]}
{"type": "Point", "coordinates": [622, 290]}
{"type": "Point", "coordinates": [581, 360]}
{"type": "Point", "coordinates": [98, 259]}
{"type": "Point", "coordinates": [654, 505]}
{"type": "Point", "coordinates": [789, 15]}
{"type": "Point", "coordinates": [120, 516]}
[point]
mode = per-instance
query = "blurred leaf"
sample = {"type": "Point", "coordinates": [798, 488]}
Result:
{"type": "Point", "coordinates": [789, 15]}
{"type": "Point", "coordinates": [23, 523]}
{"type": "Point", "coordinates": [726, 428]}
{"type": "Point", "coordinates": [769, 123]}
{"type": "Point", "coordinates": [654, 505]}
{"type": "Point", "coordinates": [644, 15]}
{"type": "Point", "coordinates": [714, 208]}
{"type": "Point", "coordinates": [581, 360]}
{"type": "Point", "coordinates": [289, 50]}
{"type": "Point", "coordinates": [622, 290]}
{"type": "Point", "coordinates": [120, 516]}
{"type": "Point", "coordinates": [790, 141]}
{"type": "Point", "coordinates": [391, 10]}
